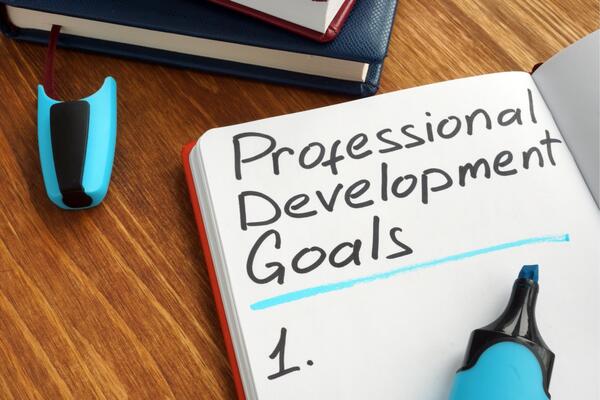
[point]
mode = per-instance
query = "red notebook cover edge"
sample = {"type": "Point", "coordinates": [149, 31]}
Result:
{"type": "Point", "coordinates": [212, 276]}
{"type": "Point", "coordinates": [334, 28]}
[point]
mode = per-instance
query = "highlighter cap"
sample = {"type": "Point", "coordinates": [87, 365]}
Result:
{"type": "Point", "coordinates": [77, 144]}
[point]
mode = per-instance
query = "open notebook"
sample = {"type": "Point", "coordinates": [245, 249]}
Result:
{"type": "Point", "coordinates": [353, 248]}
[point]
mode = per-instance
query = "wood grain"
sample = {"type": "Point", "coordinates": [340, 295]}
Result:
{"type": "Point", "coordinates": [114, 302]}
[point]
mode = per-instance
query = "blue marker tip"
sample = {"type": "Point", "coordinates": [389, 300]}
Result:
{"type": "Point", "coordinates": [530, 272]}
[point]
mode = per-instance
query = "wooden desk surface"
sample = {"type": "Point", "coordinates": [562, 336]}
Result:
{"type": "Point", "coordinates": [114, 302]}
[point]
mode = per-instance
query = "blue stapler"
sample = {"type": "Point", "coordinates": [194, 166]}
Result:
{"type": "Point", "coordinates": [76, 141]}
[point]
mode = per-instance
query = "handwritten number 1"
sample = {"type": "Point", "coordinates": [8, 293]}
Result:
{"type": "Point", "coordinates": [279, 351]}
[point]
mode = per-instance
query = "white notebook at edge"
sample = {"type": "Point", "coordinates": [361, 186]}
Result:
{"type": "Point", "coordinates": [357, 246]}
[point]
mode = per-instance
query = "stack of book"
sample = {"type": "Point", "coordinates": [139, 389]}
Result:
{"type": "Point", "coordinates": [335, 45]}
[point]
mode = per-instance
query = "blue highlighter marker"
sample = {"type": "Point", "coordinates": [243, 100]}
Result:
{"type": "Point", "coordinates": [508, 359]}
{"type": "Point", "coordinates": [76, 141]}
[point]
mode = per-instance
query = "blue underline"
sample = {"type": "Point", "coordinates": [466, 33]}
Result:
{"type": "Point", "coordinates": [341, 285]}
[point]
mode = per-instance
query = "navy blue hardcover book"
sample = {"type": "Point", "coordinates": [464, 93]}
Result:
{"type": "Point", "coordinates": [204, 36]}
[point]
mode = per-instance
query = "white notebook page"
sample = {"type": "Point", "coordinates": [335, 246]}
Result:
{"type": "Point", "coordinates": [398, 328]}
{"type": "Point", "coordinates": [570, 85]}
